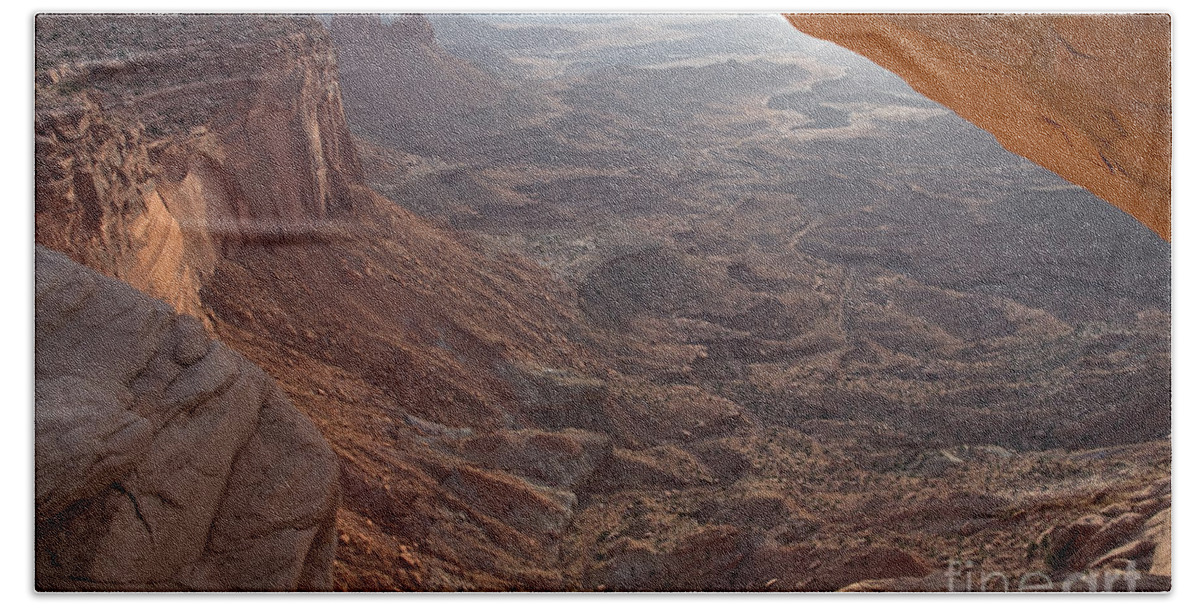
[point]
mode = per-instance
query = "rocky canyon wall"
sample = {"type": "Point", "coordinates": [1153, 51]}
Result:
{"type": "Point", "coordinates": [166, 461]}
{"type": "Point", "coordinates": [155, 158]}
{"type": "Point", "coordinates": [484, 435]}
{"type": "Point", "coordinates": [206, 161]}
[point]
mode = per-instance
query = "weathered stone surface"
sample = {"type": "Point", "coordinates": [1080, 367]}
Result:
{"type": "Point", "coordinates": [1111, 535]}
{"type": "Point", "coordinates": [1086, 96]}
{"type": "Point", "coordinates": [164, 460]}
{"type": "Point", "coordinates": [1062, 543]}
{"type": "Point", "coordinates": [864, 564]}
{"type": "Point", "coordinates": [1115, 536]}
{"type": "Point", "coordinates": [250, 146]}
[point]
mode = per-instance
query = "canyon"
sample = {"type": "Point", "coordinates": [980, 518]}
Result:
{"type": "Point", "coordinates": [598, 329]}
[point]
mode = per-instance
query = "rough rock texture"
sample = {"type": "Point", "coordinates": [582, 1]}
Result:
{"type": "Point", "coordinates": [1123, 546]}
{"type": "Point", "coordinates": [156, 157]}
{"type": "Point", "coordinates": [266, 232]}
{"type": "Point", "coordinates": [1137, 530]}
{"type": "Point", "coordinates": [97, 201]}
{"type": "Point", "coordinates": [164, 460]}
{"type": "Point", "coordinates": [1086, 96]}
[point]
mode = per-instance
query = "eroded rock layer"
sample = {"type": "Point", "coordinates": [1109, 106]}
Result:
{"type": "Point", "coordinates": [1086, 96]}
{"type": "Point", "coordinates": [156, 157]}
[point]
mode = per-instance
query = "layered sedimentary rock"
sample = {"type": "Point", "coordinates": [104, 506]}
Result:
{"type": "Point", "coordinates": [1136, 530]}
{"type": "Point", "coordinates": [163, 147]}
{"type": "Point", "coordinates": [164, 460]}
{"type": "Point", "coordinates": [98, 201]}
{"type": "Point", "coordinates": [156, 157]}
{"type": "Point", "coordinates": [1086, 96]}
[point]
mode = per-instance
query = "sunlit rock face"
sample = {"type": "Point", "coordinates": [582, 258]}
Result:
{"type": "Point", "coordinates": [164, 144]}
{"type": "Point", "coordinates": [1086, 96]}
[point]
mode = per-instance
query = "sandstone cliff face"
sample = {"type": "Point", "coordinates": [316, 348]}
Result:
{"type": "Point", "coordinates": [164, 460]}
{"type": "Point", "coordinates": [164, 146]}
{"type": "Point", "coordinates": [97, 200]}
{"type": "Point", "coordinates": [1086, 96]}
{"type": "Point", "coordinates": [155, 158]}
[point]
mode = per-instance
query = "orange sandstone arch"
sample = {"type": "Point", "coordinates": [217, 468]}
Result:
{"type": "Point", "coordinates": [1087, 96]}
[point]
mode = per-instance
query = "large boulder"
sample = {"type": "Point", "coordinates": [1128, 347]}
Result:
{"type": "Point", "coordinates": [164, 460]}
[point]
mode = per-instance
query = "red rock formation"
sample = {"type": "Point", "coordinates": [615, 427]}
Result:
{"type": "Point", "coordinates": [450, 381]}
{"type": "Point", "coordinates": [171, 156]}
{"type": "Point", "coordinates": [1137, 530]}
{"type": "Point", "coordinates": [1086, 96]}
{"type": "Point", "coordinates": [98, 202]}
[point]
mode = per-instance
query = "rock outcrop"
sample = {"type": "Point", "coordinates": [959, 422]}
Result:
{"type": "Point", "coordinates": [1136, 530]}
{"type": "Point", "coordinates": [488, 437]}
{"type": "Point", "coordinates": [164, 460]}
{"type": "Point", "coordinates": [98, 201]}
{"type": "Point", "coordinates": [156, 158]}
{"type": "Point", "coordinates": [1086, 96]}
